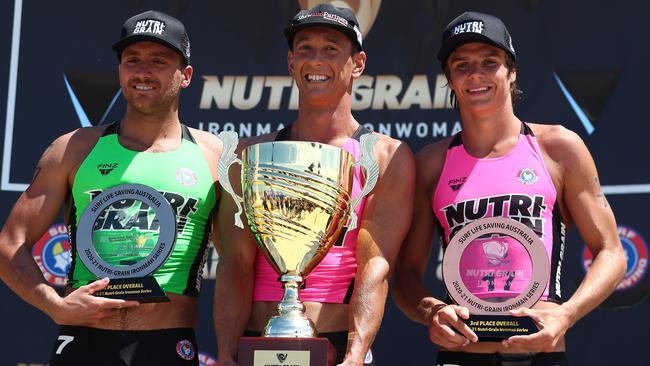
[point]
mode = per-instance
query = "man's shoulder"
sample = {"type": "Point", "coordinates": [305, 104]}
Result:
{"type": "Point", "coordinates": [555, 139]}
{"type": "Point", "coordinates": [79, 141]}
{"type": "Point", "coordinates": [435, 151]}
{"type": "Point", "coordinates": [391, 147]}
{"type": "Point", "coordinates": [83, 135]}
{"type": "Point", "coordinates": [430, 160]}
{"type": "Point", "coordinates": [70, 149]}
{"type": "Point", "coordinates": [206, 140]}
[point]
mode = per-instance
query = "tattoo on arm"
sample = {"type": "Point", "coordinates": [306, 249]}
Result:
{"type": "Point", "coordinates": [600, 194]}
{"type": "Point", "coordinates": [37, 171]}
{"type": "Point", "coordinates": [18, 272]}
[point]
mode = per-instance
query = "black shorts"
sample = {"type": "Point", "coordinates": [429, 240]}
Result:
{"type": "Point", "coordinates": [338, 339]}
{"type": "Point", "coordinates": [501, 359]}
{"type": "Point", "coordinates": [81, 346]}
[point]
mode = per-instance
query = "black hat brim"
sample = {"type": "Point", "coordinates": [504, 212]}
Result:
{"type": "Point", "coordinates": [291, 31]}
{"type": "Point", "coordinates": [120, 45]}
{"type": "Point", "coordinates": [458, 40]}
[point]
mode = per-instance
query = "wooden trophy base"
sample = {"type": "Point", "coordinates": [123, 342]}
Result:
{"type": "Point", "coordinates": [263, 351]}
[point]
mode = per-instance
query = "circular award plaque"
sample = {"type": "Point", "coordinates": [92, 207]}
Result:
{"type": "Point", "coordinates": [127, 232]}
{"type": "Point", "coordinates": [494, 265]}
{"type": "Point", "coordinates": [484, 249]}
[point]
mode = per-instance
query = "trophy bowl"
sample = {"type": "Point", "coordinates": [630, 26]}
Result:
{"type": "Point", "coordinates": [296, 199]}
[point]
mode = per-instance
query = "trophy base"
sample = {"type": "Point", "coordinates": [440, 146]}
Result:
{"type": "Point", "coordinates": [141, 289]}
{"type": "Point", "coordinates": [263, 351]}
{"type": "Point", "coordinates": [494, 328]}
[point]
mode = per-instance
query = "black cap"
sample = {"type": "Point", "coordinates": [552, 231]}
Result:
{"type": "Point", "coordinates": [326, 15]}
{"type": "Point", "coordinates": [158, 27]}
{"type": "Point", "coordinates": [474, 27]}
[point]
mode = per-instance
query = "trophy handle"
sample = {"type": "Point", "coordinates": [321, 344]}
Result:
{"type": "Point", "coordinates": [229, 157]}
{"type": "Point", "coordinates": [369, 164]}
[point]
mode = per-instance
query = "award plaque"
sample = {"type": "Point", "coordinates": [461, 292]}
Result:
{"type": "Point", "coordinates": [126, 233]}
{"type": "Point", "coordinates": [297, 199]}
{"type": "Point", "coordinates": [494, 265]}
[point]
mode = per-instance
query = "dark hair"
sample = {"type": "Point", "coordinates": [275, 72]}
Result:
{"type": "Point", "coordinates": [515, 92]}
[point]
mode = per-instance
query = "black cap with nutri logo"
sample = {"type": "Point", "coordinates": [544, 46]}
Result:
{"type": "Point", "coordinates": [157, 27]}
{"type": "Point", "coordinates": [474, 27]}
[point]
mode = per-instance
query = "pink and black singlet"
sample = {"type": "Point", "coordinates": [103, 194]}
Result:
{"type": "Point", "coordinates": [516, 185]}
{"type": "Point", "coordinates": [332, 281]}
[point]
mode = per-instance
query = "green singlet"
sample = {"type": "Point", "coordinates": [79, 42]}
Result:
{"type": "Point", "coordinates": [183, 178]}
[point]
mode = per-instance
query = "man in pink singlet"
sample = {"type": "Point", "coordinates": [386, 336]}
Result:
{"type": "Point", "coordinates": [345, 294]}
{"type": "Point", "coordinates": [498, 166]}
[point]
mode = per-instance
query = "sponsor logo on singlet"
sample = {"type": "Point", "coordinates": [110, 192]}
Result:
{"type": "Point", "coordinates": [123, 216]}
{"type": "Point", "coordinates": [520, 207]}
{"type": "Point", "coordinates": [186, 177]}
{"type": "Point", "coordinates": [106, 168]}
{"type": "Point", "coordinates": [456, 183]}
{"type": "Point", "coordinates": [527, 176]}
{"type": "Point", "coordinates": [185, 349]}
{"type": "Point", "coordinates": [52, 254]}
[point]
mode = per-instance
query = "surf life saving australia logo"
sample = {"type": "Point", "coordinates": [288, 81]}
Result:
{"type": "Point", "coordinates": [527, 176]}
{"type": "Point", "coordinates": [52, 254]}
{"type": "Point", "coordinates": [185, 349]}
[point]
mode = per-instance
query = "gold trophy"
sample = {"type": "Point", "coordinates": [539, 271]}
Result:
{"type": "Point", "coordinates": [297, 199]}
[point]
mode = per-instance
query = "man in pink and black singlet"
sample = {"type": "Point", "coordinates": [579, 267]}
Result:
{"type": "Point", "coordinates": [499, 166]}
{"type": "Point", "coordinates": [345, 294]}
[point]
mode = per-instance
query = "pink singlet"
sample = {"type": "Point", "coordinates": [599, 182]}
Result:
{"type": "Point", "coordinates": [332, 280]}
{"type": "Point", "coordinates": [517, 186]}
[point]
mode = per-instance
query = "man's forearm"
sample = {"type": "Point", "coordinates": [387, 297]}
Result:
{"type": "Point", "coordinates": [366, 310]}
{"type": "Point", "coordinates": [232, 308]}
{"type": "Point", "coordinates": [21, 274]}
{"type": "Point", "coordinates": [412, 297]}
{"type": "Point", "coordinates": [604, 274]}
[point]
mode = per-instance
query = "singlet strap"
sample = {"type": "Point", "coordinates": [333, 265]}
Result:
{"type": "Point", "coordinates": [114, 127]}
{"type": "Point", "coordinates": [187, 135]}
{"type": "Point", "coordinates": [456, 141]}
{"type": "Point", "coordinates": [111, 129]}
{"type": "Point", "coordinates": [525, 130]}
{"type": "Point", "coordinates": [362, 130]}
{"type": "Point", "coordinates": [284, 134]}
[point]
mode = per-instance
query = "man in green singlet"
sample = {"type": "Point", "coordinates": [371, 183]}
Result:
{"type": "Point", "coordinates": [150, 148]}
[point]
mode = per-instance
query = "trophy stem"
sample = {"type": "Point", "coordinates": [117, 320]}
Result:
{"type": "Point", "coordinates": [291, 321]}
